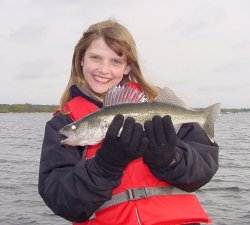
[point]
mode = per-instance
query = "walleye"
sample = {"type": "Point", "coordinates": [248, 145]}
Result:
{"type": "Point", "coordinates": [92, 128]}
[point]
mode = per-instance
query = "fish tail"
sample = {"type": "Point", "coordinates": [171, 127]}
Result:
{"type": "Point", "coordinates": [211, 113]}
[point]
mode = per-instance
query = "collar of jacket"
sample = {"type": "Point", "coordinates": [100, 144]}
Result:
{"type": "Point", "coordinates": [75, 91]}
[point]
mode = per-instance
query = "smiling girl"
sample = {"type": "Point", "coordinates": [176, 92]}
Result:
{"type": "Point", "coordinates": [144, 174]}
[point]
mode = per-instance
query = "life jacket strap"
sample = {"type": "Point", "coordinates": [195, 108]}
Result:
{"type": "Point", "coordinates": [140, 193]}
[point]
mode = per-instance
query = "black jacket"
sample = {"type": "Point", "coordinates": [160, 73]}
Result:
{"type": "Point", "coordinates": [74, 188]}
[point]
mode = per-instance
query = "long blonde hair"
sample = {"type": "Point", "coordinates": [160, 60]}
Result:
{"type": "Point", "coordinates": [118, 38]}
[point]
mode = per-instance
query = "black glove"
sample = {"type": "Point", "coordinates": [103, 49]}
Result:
{"type": "Point", "coordinates": [162, 142]}
{"type": "Point", "coordinates": [116, 152]}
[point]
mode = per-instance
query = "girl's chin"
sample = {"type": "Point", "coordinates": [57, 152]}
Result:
{"type": "Point", "coordinates": [101, 90]}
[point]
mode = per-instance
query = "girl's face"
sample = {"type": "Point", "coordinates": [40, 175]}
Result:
{"type": "Point", "coordinates": [102, 67]}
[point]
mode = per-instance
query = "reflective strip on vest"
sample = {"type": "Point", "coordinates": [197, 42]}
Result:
{"type": "Point", "coordinates": [140, 193]}
{"type": "Point", "coordinates": [144, 192]}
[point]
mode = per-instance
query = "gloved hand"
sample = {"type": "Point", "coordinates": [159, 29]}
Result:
{"type": "Point", "coordinates": [162, 142]}
{"type": "Point", "coordinates": [116, 152]}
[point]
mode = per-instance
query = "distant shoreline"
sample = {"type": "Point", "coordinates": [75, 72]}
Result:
{"type": "Point", "coordinates": [30, 108]}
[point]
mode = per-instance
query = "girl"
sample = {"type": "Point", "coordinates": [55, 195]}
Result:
{"type": "Point", "coordinates": [133, 178]}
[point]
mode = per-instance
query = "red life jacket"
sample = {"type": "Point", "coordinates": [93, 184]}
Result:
{"type": "Point", "coordinates": [172, 209]}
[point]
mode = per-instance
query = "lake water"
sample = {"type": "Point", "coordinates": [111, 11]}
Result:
{"type": "Point", "coordinates": [226, 198]}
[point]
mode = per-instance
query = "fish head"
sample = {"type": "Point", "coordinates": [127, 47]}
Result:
{"type": "Point", "coordinates": [83, 132]}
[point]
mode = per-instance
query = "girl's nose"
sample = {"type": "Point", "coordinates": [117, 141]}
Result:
{"type": "Point", "coordinates": [104, 67]}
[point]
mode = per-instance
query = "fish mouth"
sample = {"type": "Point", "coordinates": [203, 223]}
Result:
{"type": "Point", "coordinates": [69, 138]}
{"type": "Point", "coordinates": [81, 139]}
{"type": "Point", "coordinates": [64, 137]}
{"type": "Point", "coordinates": [83, 136]}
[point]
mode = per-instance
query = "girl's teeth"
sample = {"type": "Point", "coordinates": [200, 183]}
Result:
{"type": "Point", "coordinates": [102, 79]}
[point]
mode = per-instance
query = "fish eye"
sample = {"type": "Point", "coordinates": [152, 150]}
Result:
{"type": "Point", "coordinates": [73, 127]}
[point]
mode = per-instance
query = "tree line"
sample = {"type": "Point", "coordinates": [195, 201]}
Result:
{"type": "Point", "coordinates": [18, 108]}
{"type": "Point", "coordinates": [235, 110]}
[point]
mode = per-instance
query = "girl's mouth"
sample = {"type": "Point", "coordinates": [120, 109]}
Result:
{"type": "Point", "coordinates": [101, 79]}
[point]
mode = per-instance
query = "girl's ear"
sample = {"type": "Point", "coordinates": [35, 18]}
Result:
{"type": "Point", "coordinates": [82, 63]}
{"type": "Point", "coordinates": [127, 70]}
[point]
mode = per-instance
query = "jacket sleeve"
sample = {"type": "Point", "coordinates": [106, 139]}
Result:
{"type": "Point", "coordinates": [197, 159]}
{"type": "Point", "coordinates": [71, 187]}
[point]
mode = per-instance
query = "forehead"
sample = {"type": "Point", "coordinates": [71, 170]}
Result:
{"type": "Point", "coordinates": [99, 46]}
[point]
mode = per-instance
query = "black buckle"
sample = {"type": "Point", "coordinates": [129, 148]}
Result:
{"type": "Point", "coordinates": [136, 193]}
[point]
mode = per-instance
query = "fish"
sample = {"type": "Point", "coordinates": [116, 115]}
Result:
{"type": "Point", "coordinates": [92, 128]}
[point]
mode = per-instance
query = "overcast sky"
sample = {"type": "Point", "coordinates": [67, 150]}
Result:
{"type": "Point", "coordinates": [199, 48]}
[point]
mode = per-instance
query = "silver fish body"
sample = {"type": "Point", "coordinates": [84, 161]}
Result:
{"type": "Point", "coordinates": [92, 128]}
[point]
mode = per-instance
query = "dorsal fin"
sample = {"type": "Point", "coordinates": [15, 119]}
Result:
{"type": "Point", "coordinates": [168, 96]}
{"type": "Point", "coordinates": [123, 94]}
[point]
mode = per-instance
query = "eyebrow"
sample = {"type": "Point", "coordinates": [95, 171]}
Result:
{"type": "Point", "coordinates": [92, 53]}
{"type": "Point", "coordinates": [122, 58]}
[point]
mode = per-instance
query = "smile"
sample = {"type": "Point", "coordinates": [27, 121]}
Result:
{"type": "Point", "coordinates": [102, 79]}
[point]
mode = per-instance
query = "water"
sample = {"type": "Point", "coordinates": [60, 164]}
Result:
{"type": "Point", "coordinates": [226, 198]}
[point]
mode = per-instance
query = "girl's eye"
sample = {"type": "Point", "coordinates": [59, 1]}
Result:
{"type": "Point", "coordinates": [96, 57]}
{"type": "Point", "coordinates": [116, 61]}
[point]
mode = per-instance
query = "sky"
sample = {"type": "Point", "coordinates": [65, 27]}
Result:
{"type": "Point", "coordinates": [198, 48]}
